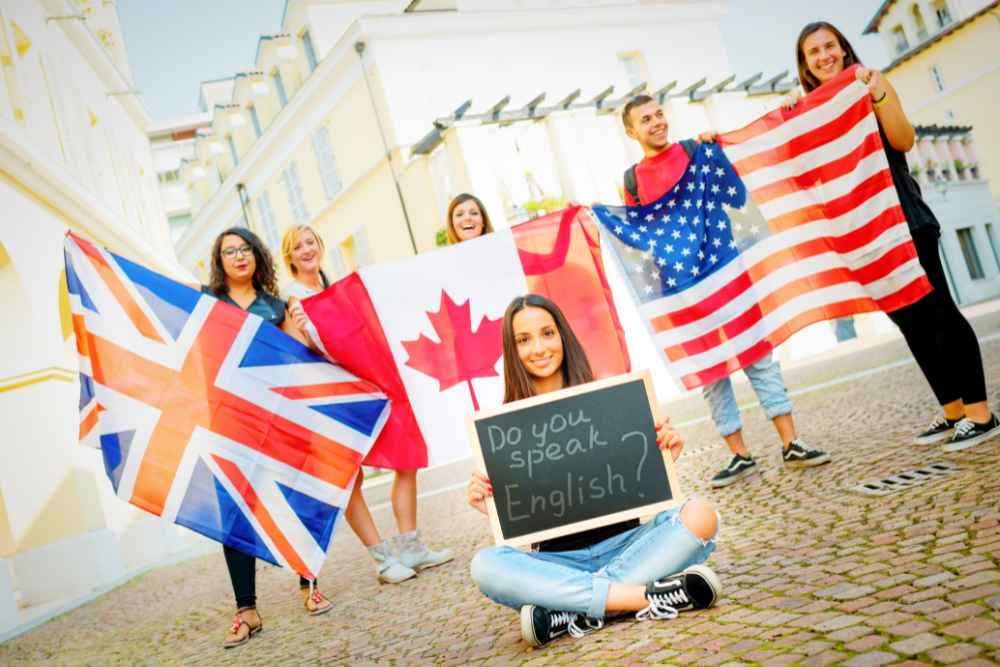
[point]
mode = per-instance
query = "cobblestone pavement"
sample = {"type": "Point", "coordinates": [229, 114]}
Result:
{"type": "Point", "coordinates": [812, 574]}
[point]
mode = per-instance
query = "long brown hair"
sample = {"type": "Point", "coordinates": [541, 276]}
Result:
{"type": "Point", "coordinates": [450, 224]}
{"type": "Point", "coordinates": [264, 276]}
{"type": "Point", "coordinates": [806, 78]}
{"type": "Point", "coordinates": [575, 368]}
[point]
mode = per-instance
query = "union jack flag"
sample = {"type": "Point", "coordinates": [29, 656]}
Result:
{"type": "Point", "coordinates": [211, 417]}
{"type": "Point", "coordinates": [720, 284]}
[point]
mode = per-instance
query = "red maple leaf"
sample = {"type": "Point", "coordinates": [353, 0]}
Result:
{"type": "Point", "coordinates": [462, 354]}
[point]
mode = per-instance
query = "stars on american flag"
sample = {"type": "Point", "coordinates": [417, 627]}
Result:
{"type": "Point", "coordinates": [687, 234]}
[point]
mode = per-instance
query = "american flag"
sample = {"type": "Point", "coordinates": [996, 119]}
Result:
{"type": "Point", "coordinates": [212, 418]}
{"type": "Point", "coordinates": [720, 283]}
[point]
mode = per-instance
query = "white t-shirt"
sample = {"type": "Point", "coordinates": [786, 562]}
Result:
{"type": "Point", "coordinates": [296, 289]}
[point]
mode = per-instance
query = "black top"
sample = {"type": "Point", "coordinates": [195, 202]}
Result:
{"type": "Point", "coordinates": [586, 538]}
{"type": "Point", "coordinates": [269, 307]}
{"type": "Point", "coordinates": [918, 213]}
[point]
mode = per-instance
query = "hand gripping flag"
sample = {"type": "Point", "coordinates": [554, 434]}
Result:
{"type": "Point", "coordinates": [720, 290]}
{"type": "Point", "coordinates": [427, 329]}
{"type": "Point", "coordinates": [211, 417]}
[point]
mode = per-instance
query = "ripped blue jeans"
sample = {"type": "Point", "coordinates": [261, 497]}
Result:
{"type": "Point", "coordinates": [578, 580]}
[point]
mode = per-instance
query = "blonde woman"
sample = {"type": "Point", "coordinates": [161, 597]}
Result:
{"type": "Point", "coordinates": [302, 251]}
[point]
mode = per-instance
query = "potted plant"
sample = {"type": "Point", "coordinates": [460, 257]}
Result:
{"type": "Point", "coordinates": [915, 170]}
{"type": "Point", "coordinates": [973, 170]}
{"type": "Point", "coordinates": [537, 207]}
{"type": "Point", "coordinates": [441, 237]}
{"type": "Point", "coordinates": [959, 167]}
{"type": "Point", "coordinates": [931, 169]}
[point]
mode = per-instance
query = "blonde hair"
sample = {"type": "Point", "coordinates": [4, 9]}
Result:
{"type": "Point", "coordinates": [450, 224]}
{"type": "Point", "coordinates": [289, 240]}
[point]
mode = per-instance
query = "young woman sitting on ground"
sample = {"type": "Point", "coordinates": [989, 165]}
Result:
{"type": "Point", "coordinates": [572, 583]}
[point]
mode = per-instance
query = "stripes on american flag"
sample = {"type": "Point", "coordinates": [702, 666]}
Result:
{"type": "Point", "coordinates": [838, 243]}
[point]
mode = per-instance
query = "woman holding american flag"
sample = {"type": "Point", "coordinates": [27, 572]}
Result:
{"type": "Point", "coordinates": [941, 339]}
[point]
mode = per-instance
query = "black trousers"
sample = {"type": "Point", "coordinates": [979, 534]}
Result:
{"type": "Point", "coordinates": [243, 574]}
{"type": "Point", "coordinates": [940, 338]}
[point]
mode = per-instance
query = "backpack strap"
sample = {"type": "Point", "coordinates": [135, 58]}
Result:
{"type": "Point", "coordinates": [631, 184]}
{"type": "Point", "coordinates": [689, 146]}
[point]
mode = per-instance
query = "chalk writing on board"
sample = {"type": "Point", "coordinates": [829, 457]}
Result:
{"type": "Point", "coordinates": [557, 438]}
{"type": "Point", "coordinates": [577, 458]}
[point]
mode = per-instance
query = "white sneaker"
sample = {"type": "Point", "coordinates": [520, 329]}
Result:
{"type": "Point", "coordinates": [390, 569]}
{"type": "Point", "coordinates": [413, 553]}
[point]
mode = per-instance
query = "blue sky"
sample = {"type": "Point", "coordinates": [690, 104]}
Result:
{"type": "Point", "coordinates": [171, 52]}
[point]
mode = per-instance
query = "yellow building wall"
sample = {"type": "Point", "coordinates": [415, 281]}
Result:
{"type": "Point", "coordinates": [417, 183]}
{"type": "Point", "coordinates": [371, 203]}
{"type": "Point", "coordinates": [6, 537]}
{"type": "Point", "coordinates": [969, 62]}
{"type": "Point", "coordinates": [368, 196]}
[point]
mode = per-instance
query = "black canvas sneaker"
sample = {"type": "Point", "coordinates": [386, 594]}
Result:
{"type": "Point", "coordinates": [969, 434]}
{"type": "Point", "coordinates": [740, 466]}
{"type": "Point", "coordinates": [799, 455]}
{"type": "Point", "coordinates": [940, 429]}
{"type": "Point", "coordinates": [697, 587]}
{"type": "Point", "coordinates": [539, 626]}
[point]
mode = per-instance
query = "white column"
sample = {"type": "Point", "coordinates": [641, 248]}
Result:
{"type": "Point", "coordinates": [476, 147]}
{"type": "Point", "coordinates": [927, 158]}
{"type": "Point", "coordinates": [969, 145]}
{"type": "Point", "coordinates": [947, 168]}
{"type": "Point", "coordinates": [958, 153]}
{"type": "Point", "coordinates": [565, 144]}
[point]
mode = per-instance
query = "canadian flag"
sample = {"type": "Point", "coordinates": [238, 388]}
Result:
{"type": "Point", "coordinates": [427, 330]}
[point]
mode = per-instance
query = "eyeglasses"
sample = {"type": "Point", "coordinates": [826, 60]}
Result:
{"type": "Point", "coordinates": [230, 253]}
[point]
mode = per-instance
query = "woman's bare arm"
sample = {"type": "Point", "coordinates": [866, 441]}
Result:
{"type": "Point", "coordinates": [895, 124]}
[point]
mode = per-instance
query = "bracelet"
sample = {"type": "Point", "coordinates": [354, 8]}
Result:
{"type": "Point", "coordinates": [882, 100]}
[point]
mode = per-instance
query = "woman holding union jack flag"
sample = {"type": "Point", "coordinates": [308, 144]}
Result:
{"type": "Point", "coordinates": [243, 275]}
{"type": "Point", "coordinates": [941, 339]}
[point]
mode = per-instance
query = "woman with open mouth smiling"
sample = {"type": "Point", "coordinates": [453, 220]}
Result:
{"type": "Point", "coordinates": [941, 339]}
{"type": "Point", "coordinates": [467, 219]}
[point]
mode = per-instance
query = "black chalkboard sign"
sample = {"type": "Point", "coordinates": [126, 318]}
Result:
{"type": "Point", "coordinates": [573, 460]}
